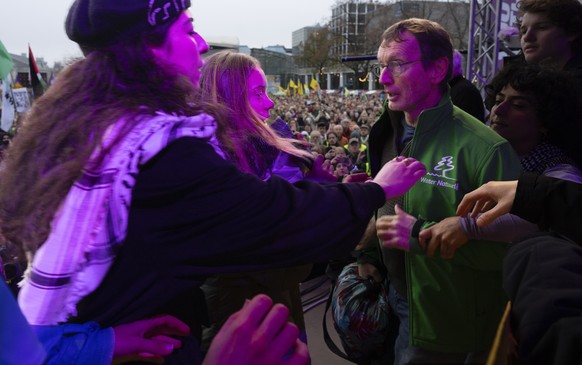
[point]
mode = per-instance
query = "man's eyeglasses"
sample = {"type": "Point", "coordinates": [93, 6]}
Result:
{"type": "Point", "coordinates": [394, 67]}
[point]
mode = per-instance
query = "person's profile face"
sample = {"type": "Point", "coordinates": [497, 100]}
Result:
{"type": "Point", "coordinates": [183, 48]}
{"type": "Point", "coordinates": [409, 90]}
{"type": "Point", "coordinates": [257, 93]}
{"type": "Point", "coordinates": [541, 39]}
{"type": "Point", "coordinates": [514, 116]}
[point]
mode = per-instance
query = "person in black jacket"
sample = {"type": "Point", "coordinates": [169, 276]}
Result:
{"type": "Point", "coordinates": [120, 188]}
{"type": "Point", "coordinates": [464, 94]}
{"type": "Point", "coordinates": [542, 273]}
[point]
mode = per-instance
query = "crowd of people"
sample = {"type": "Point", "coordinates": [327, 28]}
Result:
{"type": "Point", "coordinates": [168, 207]}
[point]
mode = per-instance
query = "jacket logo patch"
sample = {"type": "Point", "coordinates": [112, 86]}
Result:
{"type": "Point", "coordinates": [440, 178]}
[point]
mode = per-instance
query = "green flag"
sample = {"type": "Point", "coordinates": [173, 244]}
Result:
{"type": "Point", "coordinates": [5, 62]}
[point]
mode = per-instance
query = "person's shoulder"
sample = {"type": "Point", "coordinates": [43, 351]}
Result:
{"type": "Point", "coordinates": [184, 152]}
{"type": "Point", "coordinates": [476, 129]}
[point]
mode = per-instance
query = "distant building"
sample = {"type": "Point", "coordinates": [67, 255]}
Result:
{"type": "Point", "coordinates": [21, 70]}
{"type": "Point", "coordinates": [277, 62]}
{"type": "Point", "coordinates": [348, 23]}
{"type": "Point", "coordinates": [300, 36]}
{"type": "Point", "coordinates": [221, 43]}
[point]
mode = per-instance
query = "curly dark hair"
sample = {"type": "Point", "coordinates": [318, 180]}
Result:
{"type": "Point", "coordinates": [556, 98]}
{"type": "Point", "coordinates": [566, 14]}
{"type": "Point", "coordinates": [65, 125]}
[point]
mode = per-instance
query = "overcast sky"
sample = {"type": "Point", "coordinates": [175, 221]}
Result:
{"type": "Point", "coordinates": [256, 23]}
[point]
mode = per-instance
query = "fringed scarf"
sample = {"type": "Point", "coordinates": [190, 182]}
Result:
{"type": "Point", "coordinates": [91, 222]}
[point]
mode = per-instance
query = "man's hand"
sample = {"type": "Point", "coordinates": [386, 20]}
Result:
{"type": "Point", "coordinates": [494, 198]}
{"type": "Point", "coordinates": [148, 340]}
{"type": "Point", "coordinates": [398, 175]}
{"type": "Point", "coordinates": [394, 230]}
{"type": "Point", "coordinates": [447, 235]}
{"type": "Point", "coordinates": [258, 334]}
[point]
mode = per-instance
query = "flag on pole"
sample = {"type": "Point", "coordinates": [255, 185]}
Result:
{"type": "Point", "coordinates": [292, 84]}
{"type": "Point", "coordinates": [38, 84]}
{"type": "Point", "coordinates": [7, 104]}
{"type": "Point", "coordinates": [299, 88]}
{"type": "Point", "coordinates": [314, 84]}
{"type": "Point", "coordinates": [306, 87]}
{"type": "Point", "coordinates": [6, 63]}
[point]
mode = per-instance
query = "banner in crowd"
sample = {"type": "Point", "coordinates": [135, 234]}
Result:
{"type": "Point", "coordinates": [8, 113]}
{"type": "Point", "coordinates": [21, 99]}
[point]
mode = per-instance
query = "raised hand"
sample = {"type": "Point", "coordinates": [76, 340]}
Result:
{"type": "Point", "coordinates": [321, 170]}
{"type": "Point", "coordinates": [258, 334]}
{"type": "Point", "coordinates": [494, 198]}
{"type": "Point", "coordinates": [398, 175]}
{"type": "Point", "coordinates": [394, 230]}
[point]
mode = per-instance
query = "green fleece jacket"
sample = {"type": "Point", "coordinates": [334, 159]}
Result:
{"type": "Point", "coordinates": [454, 305]}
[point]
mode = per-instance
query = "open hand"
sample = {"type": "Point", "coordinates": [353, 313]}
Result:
{"type": "Point", "coordinates": [398, 175]}
{"type": "Point", "coordinates": [494, 198]}
{"type": "Point", "coordinates": [258, 334]}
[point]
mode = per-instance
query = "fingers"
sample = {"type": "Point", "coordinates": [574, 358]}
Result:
{"type": "Point", "coordinates": [150, 349]}
{"type": "Point", "coordinates": [283, 344]}
{"type": "Point", "coordinates": [487, 217]}
{"type": "Point", "coordinates": [433, 244]}
{"type": "Point", "coordinates": [318, 160]}
{"type": "Point", "coordinates": [418, 168]}
{"type": "Point", "coordinates": [169, 340]}
{"type": "Point", "coordinates": [424, 237]}
{"type": "Point", "coordinates": [256, 309]}
{"type": "Point", "coordinates": [165, 324]}
{"type": "Point", "coordinates": [359, 177]}
{"type": "Point", "coordinates": [299, 356]}
{"type": "Point", "coordinates": [398, 210]}
{"type": "Point", "coordinates": [274, 321]}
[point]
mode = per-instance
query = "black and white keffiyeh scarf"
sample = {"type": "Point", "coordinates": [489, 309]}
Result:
{"type": "Point", "coordinates": [544, 156]}
{"type": "Point", "coordinates": [91, 222]}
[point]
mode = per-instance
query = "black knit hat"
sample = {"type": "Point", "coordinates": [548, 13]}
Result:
{"type": "Point", "coordinates": [99, 23]}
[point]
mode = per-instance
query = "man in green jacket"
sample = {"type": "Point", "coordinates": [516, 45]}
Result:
{"type": "Point", "coordinates": [448, 308]}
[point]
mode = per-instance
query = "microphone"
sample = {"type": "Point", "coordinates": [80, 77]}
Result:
{"type": "Point", "coordinates": [358, 58]}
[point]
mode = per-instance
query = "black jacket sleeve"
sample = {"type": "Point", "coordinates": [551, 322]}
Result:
{"type": "Point", "coordinates": [194, 214]}
{"type": "Point", "coordinates": [553, 204]}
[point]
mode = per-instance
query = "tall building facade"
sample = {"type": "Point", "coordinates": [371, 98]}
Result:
{"type": "Point", "coordinates": [348, 24]}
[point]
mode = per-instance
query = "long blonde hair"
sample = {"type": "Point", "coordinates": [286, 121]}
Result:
{"type": "Point", "coordinates": [224, 80]}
